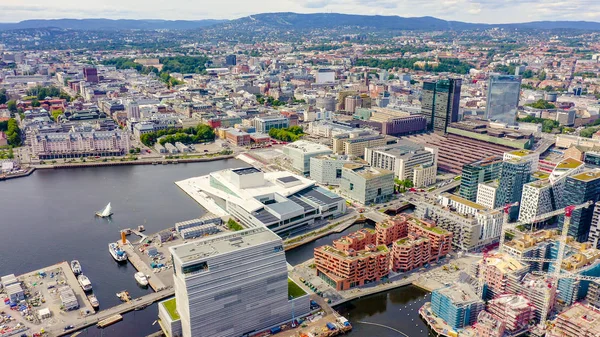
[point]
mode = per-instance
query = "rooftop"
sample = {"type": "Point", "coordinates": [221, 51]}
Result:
{"type": "Point", "coordinates": [540, 175]}
{"type": "Point", "coordinates": [308, 147]}
{"type": "Point", "coordinates": [171, 306]}
{"type": "Point", "coordinates": [294, 291]}
{"type": "Point", "coordinates": [568, 163]}
{"type": "Point", "coordinates": [464, 201]}
{"type": "Point", "coordinates": [587, 176]}
{"type": "Point", "coordinates": [222, 244]}
{"type": "Point", "coordinates": [460, 294]}
{"type": "Point", "coordinates": [521, 153]}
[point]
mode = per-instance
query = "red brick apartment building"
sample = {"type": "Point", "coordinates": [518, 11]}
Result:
{"type": "Point", "coordinates": [399, 244]}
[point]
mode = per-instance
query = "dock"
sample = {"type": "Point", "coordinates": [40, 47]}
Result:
{"type": "Point", "coordinates": [133, 257]}
{"type": "Point", "coordinates": [109, 321]}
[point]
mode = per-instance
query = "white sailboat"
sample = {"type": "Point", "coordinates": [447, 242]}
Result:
{"type": "Point", "coordinates": [106, 212]}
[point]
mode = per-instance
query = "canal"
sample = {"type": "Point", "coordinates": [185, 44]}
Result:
{"type": "Point", "coordinates": [48, 217]}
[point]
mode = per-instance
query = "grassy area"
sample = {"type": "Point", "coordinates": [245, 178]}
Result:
{"type": "Point", "coordinates": [171, 306]}
{"type": "Point", "coordinates": [233, 225]}
{"type": "Point", "coordinates": [294, 291]}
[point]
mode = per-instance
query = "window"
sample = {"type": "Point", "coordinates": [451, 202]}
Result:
{"type": "Point", "coordinates": [379, 191]}
{"type": "Point", "coordinates": [338, 173]}
{"type": "Point", "coordinates": [351, 187]}
{"type": "Point", "coordinates": [194, 268]}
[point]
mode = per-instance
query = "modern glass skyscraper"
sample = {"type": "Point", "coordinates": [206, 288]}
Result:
{"type": "Point", "coordinates": [481, 171]}
{"type": "Point", "coordinates": [503, 98]}
{"type": "Point", "coordinates": [440, 103]}
{"type": "Point", "coordinates": [515, 173]}
{"type": "Point", "coordinates": [578, 189]}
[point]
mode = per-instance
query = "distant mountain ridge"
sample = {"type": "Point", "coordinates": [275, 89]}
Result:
{"type": "Point", "coordinates": [109, 24]}
{"type": "Point", "coordinates": [296, 21]}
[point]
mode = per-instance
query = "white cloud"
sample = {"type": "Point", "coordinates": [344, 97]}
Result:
{"type": "Point", "coordinates": [492, 11]}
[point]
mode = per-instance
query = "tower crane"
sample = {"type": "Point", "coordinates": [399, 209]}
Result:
{"type": "Point", "coordinates": [557, 273]}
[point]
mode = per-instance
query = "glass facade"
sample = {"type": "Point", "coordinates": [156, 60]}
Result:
{"type": "Point", "coordinates": [503, 98]}
{"type": "Point", "coordinates": [482, 171]}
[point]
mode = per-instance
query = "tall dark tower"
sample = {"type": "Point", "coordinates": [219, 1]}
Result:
{"type": "Point", "coordinates": [440, 103]}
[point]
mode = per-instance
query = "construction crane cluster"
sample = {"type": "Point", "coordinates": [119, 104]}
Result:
{"type": "Point", "coordinates": [557, 272]}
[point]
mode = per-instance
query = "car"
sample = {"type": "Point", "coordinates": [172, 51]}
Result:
{"type": "Point", "coordinates": [205, 150]}
{"type": "Point", "coordinates": [69, 327]}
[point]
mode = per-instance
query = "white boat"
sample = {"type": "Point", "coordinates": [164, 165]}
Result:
{"type": "Point", "coordinates": [84, 282]}
{"type": "Point", "coordinates": [141, 228]}
{"type": "Point", "coordinates": [117, 253]}
{"type": "Point", "coordinates": [76, 267]}
{"type": "Point", "coordinates": [141, 279]}
{"type": "Point", "coordinates": [106, 212]}
{"type": "Point", "coordinates": [93, 301]}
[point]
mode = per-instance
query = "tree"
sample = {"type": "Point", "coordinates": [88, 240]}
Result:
{"type": "Point", "coordinates": [35, 103]}
{"type": "Point", "coordinates": [3, 96]}
{"type": "Point", "coordinates": [12, 106]}
{"type": "Point", "coordinates": [542, 75]}
{"type": "Point", "coordinates": [56, 114]}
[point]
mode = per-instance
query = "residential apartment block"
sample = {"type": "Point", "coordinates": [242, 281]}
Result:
{"type": "Point", "coordinates": [458, 305]}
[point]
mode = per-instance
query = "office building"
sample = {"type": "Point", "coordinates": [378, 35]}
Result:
{"type": "Point", "coordinates": [328, 169]}
{"type": "Point", "coordinates": [91, 75]}
{"type": "Point", "coordinates": [515, 173]}
{"type": "Point", "coordinates": [278, 200]}
{"type": "Point", "coordinates": [537, 199]}
{"type": "Point", "coordinates": [351, 103]}
{"type": "Point", "coordinates": [486, 194]}
{"type": "Point", "coordinates": [578, 320]}
{"type": "Point", "coordinates": [219, 277]}
{"type": "Point", "coordinates": [237, 137]}
{"type": "Point", "coordinates": [355, 143]}
{"type": "Point", "coordinates": [578, 189]}
{"type": "Point", "coordinates": [133, 110]}
{"type": "Point", "coordinates": [440, 103]}
{"type": "Point", "coordinates": [325, 76]}
{"type": "Point", "coordinates": [594, 237]}
{"type": "Point", "coordinates": [405, 158]}
{"type": "Point", "coordinates": [353, 260]}
{"type": "Point", "coordinates": [503, 98]}
{"type": "Point", "coordinates": [400, 125]}
{"type": "Point", "coordinates": [300, 152]}
{"type": "Point", "coordinates": [485, 170]}
{"type": "Point", "coordinates": [458, 305]}
{"type": "Point", "coordinates": [264, 124]}
{"type": "Point", "coordinates": [366, 185]}
{"type": "Point", "coordinates": [231, 60]}
{"type": "Point", "coordinates": [515, 311]}
{"type": "Point", "coordinates": [528, 155]}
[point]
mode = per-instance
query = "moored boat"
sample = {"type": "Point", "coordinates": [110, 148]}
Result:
{"type": "Point", "coordinates": [76, 267]}
{"type": "Point", "coordinates": [94, 301]}
{"type": "Point", "coordinates": [124, 296]}
{"type": "Point", "coordinates": [141, 279]}
{"type": "Point", "coordinates": [84, 282]}
{"type": "Point", "coordinates": [116, 252]}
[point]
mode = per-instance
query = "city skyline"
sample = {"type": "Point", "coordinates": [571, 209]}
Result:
{"type": "Point", "coordinates": [475, 11]}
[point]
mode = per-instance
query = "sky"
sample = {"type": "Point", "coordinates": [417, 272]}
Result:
{"type": "Point", "coordinates": [485, 11]}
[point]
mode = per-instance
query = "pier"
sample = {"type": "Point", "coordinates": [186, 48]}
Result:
{"type": "Point", "coordinates": [153, 280]}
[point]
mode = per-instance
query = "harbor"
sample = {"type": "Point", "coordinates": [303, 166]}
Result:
{"type": "Point", "coordinates": [110, 184]}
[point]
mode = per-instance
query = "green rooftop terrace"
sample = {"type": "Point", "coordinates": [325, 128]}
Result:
{"type": "Point", "coordinates": [294, 290]}
{"type": "Point", "coordinates": [521, 153]}
{"type": "Point", "coordinates": [568, 163]}
{"type": "Point", "coordinates": [171, 306]}
{"type": "Point", "coordinates": [540, 175]}
{"type": "Point", "coordinates": [587, 176]}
